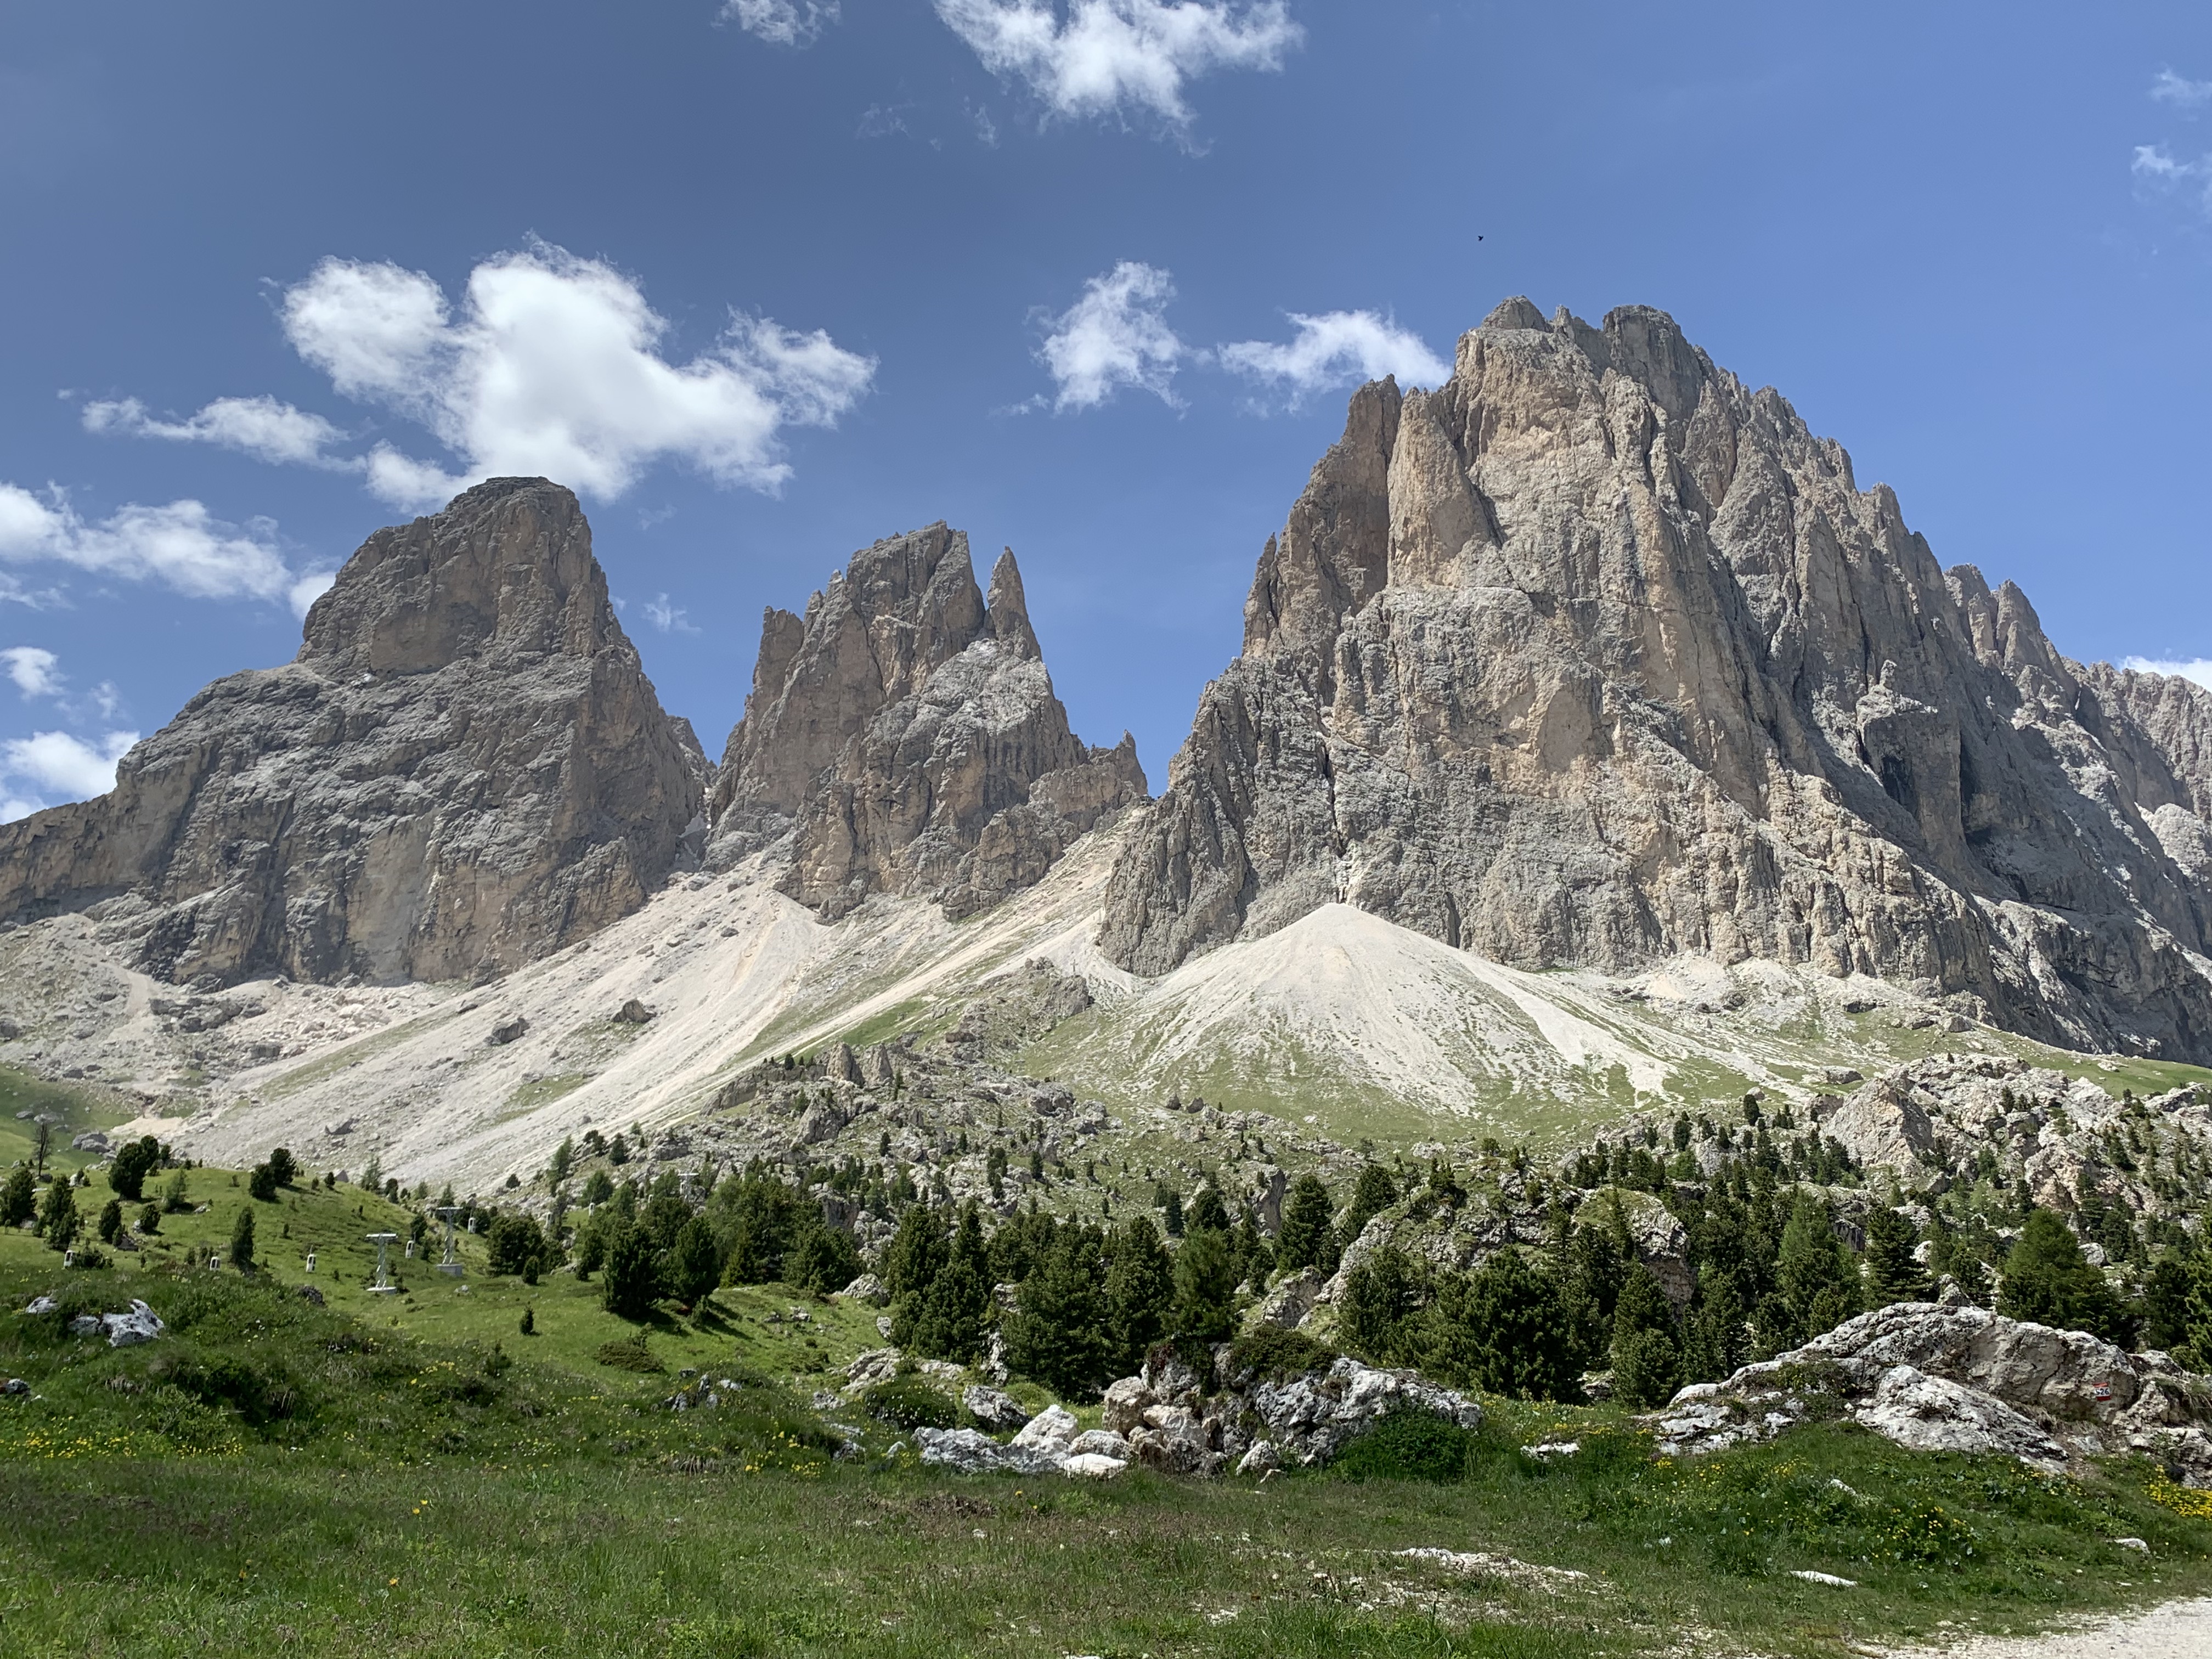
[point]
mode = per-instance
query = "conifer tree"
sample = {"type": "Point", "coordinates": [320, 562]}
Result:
{"type": "Point", "coordinates": [1892, 1272]}
{"type": "Point", "coordinates": [1059, 1336]}
{"type": "Point", "coordinates": [912, 1263]}
{"type": "Point", "coordinates": [1503, 1328]}
{"type": "Point", "coordinates": [1372, 1194]}
{"type": "Point", "coordinates": [1205, 1286]}
{"type": "Point", "coordinates": [694, 1266]}
{"type": "Point", "coordinates": [241, 1240]}
{"type": "Point", "coordinates": [1308, 1238]}
{"type": "Point", "coordinates": [632, 1284]}
{"type": "Point", "coordinates": [58, 1216]}
{"type": "Point", "coordinates": [1380, 1295]}
{"type": "Point", "coordinates": [111, 1221]}
{"type": "Point", "coordinates": [954, 1315]}
{"type": "Point", "coordinates": [2047, 1279]}
{"type": "Point", "coordinates": [1646, 1352]}
{"type": "Point", "coordinates": [1207, 1210]}
{"type": "Point", "coordinates": [1817, 1282]}
{"type": "Point", "coordinates": [1139, 1292]}
{"type": "Point", "coordinates": [19, 1198]}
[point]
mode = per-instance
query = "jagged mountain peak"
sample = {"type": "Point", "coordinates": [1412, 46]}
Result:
{"type": "Point", "coordinates": [904, 734]}
{"type": "Point", "coordinates": [1591, 657]}
{"type": "Point", "coordinates": [464, 769]}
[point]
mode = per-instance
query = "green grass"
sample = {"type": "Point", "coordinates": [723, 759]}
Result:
{"type": "Point", "coordinates": [528, 1097]}
{"type": "Point", "coordinates": [409, 1475]}
{"type": "Point", "coordinates": [78, 1108]}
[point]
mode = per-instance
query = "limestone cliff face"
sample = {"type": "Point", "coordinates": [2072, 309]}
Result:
{"type": "Point", "coordinates": [906, 737]}
{"type": "Point", "coordinates": [1593, 656]}
{"type": "Point", "coordinates": [464, 769]}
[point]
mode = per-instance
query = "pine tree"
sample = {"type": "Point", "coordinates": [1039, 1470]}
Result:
{"type": "Point", "coordinates": [241, 1240]}
{"type": "Point", "coordinates": [1207, 1209]}
{"type": "Point", "coordinates": [111, 1221]}
{"type": "Point", "coordinates": [1505, 1329]}
{"type": "Point", "coordinates": [1817, 1280]}
{"type": "Point", "coordinates": [1308, 1239]}
{"type": "Point", "coordinates": [1139, 1292]}
{"type": "Point", "coordinates": [694, 1266]}
{"type": "Point", "coordinates": [2047, 1279]}
{"type": "Point", "coordinates": [825, 1259]}
{"type": "Point", "coordinates": [1892, 1272]}
{"type": "Point", "coordinates": [1647, 1356]}
{"type": "Point", "coordinates": [19, 1198]}
{"type": "Point", "coordinates": [126, 1175]}
{"type": "Point", "coordinates": [632, 1285]}
{"type": "Point", "coordinates": [1380, 1295]}
{"type": "Point", "coordinates": [1205, 1286]}
{"type": "Point", "coordinates": [58, 1216]}
{"type": "Point", "coordinates": [1059, 1336]}
{"type": "Point", "coordinates": [913, 1261]}
{"type": "Point", "coordinates": [954, 1316]}
{"type": "Point", "coordinates": [1372, 1194]}
{"type": "Point", "coordinates": [1174, 1207]}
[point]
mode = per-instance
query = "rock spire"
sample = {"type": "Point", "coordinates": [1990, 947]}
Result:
{"type": "Point", "coordinates": [904, 734]}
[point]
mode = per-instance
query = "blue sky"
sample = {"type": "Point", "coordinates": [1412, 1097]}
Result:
{"type": "Point", "coordinates": [770, 281]}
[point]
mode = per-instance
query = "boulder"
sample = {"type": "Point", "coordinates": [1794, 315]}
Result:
{"type": "Point", "coordinates": [866, 1288]}
{"type": "Point", "coordinates": [1958, 1378]}
{"type": "Point", "coordinates": [1092, 1466]}
{"type": "Point", "coordinates": [1288, 1303]}
{"type": "Point", "coordinates": [995, 1411]}
{"type": "Point", "coordinates": [633, 1012]}
{"type": "Point", "coordinates": [1053, 1427]}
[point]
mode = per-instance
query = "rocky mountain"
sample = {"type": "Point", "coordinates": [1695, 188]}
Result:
{"type": "Point", "coordinates": [464, 769]}
{"type": "Point", "coordinates": [904, 734]}
{"type": "Point", "coordinates": [1595, 657]}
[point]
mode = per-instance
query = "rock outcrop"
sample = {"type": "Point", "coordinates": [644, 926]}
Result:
{"type": "Point", "coordinates": [1594, 656]}
{"type": "Point", "coordinates": [905, 735]}
{"type": "Point", "coordinates": [1959, 1379]}
{"type": "Point", "coordinates": [464, 769]}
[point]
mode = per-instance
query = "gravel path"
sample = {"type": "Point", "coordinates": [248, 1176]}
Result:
{"type": "Point", "coordinates": [2180, 1630]}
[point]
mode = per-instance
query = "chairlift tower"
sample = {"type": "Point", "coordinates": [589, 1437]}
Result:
{"type": "Point", "coordinates": [451, 1266]}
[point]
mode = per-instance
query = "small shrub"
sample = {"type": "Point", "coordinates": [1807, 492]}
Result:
{"type": "Point", "coordinates": [1408, 1445]}
{"type": "Point", "coordinates": [1275, 1353]}
{"type": "Point", "coordinates": [912, 1402]}
{"type": "Point", "coordinates": [629, 1355]}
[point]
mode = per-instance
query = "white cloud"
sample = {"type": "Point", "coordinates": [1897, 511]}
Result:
{"type": "Point", "coordinates": [669, 619]}
{"type": "Point", "coordinates": [263, 427]}
{"type": "Point", "coordinates": [2154, 163]}
{"type": "Point", "coordinates": [34, 668]}
{"type": "Point", "coordinates": [1116, 335]}
{"type": "Point", "coordinates": [1336, 349]}
{"type": "Point", "coordinates": [550, 366]}
{"type": "Point", "coordinates": [1109, 54]}
{"type": "Point", "coordinates": [783, 22]}
{"type": "Point", "coordinates": [2188, 668]}
{"type": "Point", "coordinates": [2170, 88]}
{"type": "Point", "coordinates": [182, 545]}
{"type": "Point", "coordinates": [58, 767]}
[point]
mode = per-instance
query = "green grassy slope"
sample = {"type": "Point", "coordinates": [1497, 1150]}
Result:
{"type": "Point", "coordinates": [409, 1475]}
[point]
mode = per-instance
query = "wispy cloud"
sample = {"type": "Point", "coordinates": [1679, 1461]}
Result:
{"type": "Point", "coordinates": [1336, 349]}
{"type": "Point", "coordinates": [1106, 57]}
{"type": "Point", "coordinates": [1116, 335]}
{"type": "Point", "coordinates": [181, 545]}
{"type": "Point", "coordinates": [2198, 668]}
{"type": "Point", "coordinates": [668, 618]}
{"type": "Point", "coordinates": [551, 365]}
{"type": "Point", "coordinates": [48, 767]}
{"type": "Point", "coordinates": [263, 427]}
{"type": "Point", "coordinates": [781, 22]}
{"type": "Point", "coordinates": [2167, 87]}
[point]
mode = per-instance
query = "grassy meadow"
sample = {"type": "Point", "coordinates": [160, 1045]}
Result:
{"type": "Point", "coordinates": [410, 1474]}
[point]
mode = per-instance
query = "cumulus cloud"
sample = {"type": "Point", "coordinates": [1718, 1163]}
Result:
{"type": "Point", "coordinates": [48, 767]}
{"type": "Point", "coordinates": [2188, 668]}
{"type": "Point", "coordinates": [263, 427]}
{"type": "Point", "coordinates": [182, 545]}
{"type": "Point", "coordinates": [782, 22]}
{"type": "Point", "coordinates": [1116, 335]}
{"type": "Point", "coordinates": [34, 668]}
{"type": "Point", "coordinates": [2171, 88]}
{"type": "Point", "coordinates": [1337, 348]}
{"type": "Point", "coordinates": [1106, 56]}
{"type": "Point", "coordinates": [550, 365]}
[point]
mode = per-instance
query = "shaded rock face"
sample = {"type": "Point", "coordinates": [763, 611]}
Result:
{"type": "Point", "coordinates": [905, 735]}
{"type": "Point", "coordinates": [1593, 656]}
{"type": "Point", "coordinates": [464, 769]}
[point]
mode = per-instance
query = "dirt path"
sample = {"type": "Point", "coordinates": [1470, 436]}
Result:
{"type": "Point", "coordinates": [2180, 1630]}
